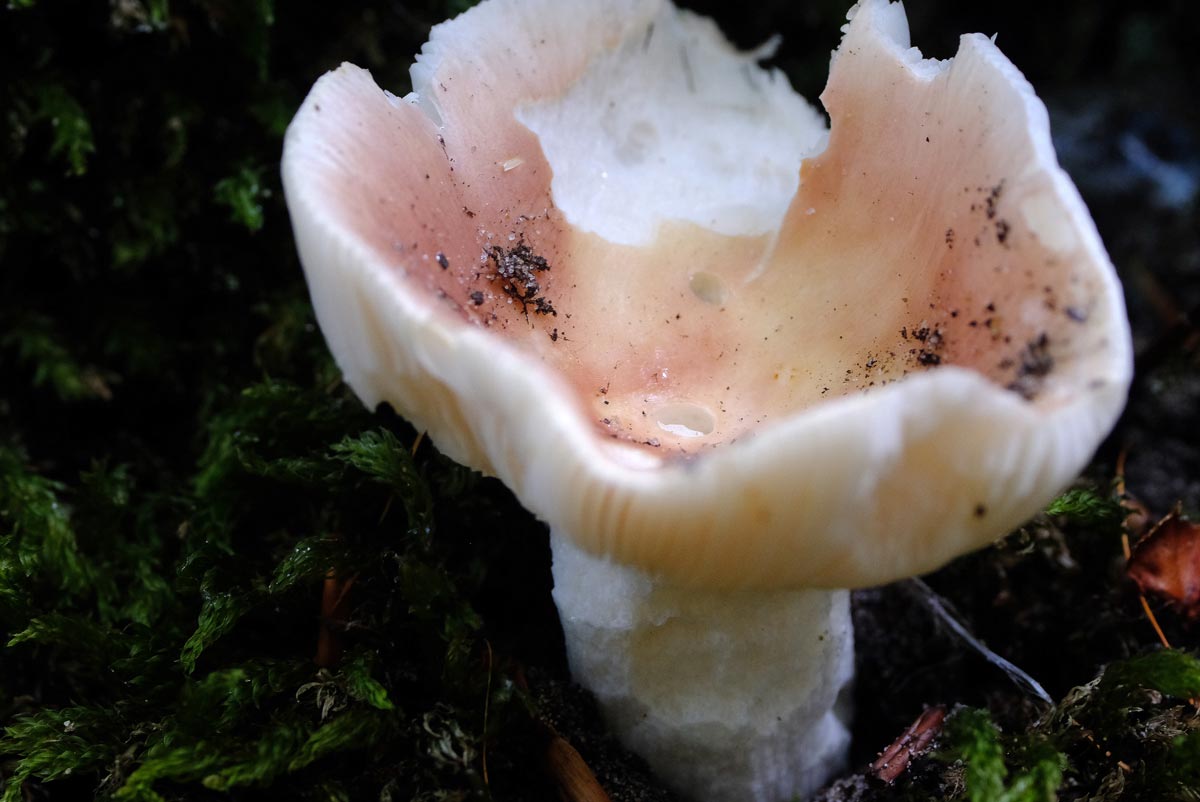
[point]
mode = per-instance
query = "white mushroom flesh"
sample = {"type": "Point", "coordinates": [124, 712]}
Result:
{"type": "Point", "coordinates": [741, 696]}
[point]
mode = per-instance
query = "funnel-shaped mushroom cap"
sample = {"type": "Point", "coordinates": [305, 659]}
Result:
{"type": "Point", "coordinates": [605, 257]}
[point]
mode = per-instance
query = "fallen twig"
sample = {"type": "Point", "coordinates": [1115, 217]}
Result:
{"type": "Point", "coordinates": [575, 780]}
{"type": "Point", "coordinates": [335, 609]}
{"type": "Point", "coordinates": [912, 743]}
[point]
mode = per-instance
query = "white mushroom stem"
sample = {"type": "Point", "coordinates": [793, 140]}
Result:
{"type": "Point", "coordinates": [730, 696]}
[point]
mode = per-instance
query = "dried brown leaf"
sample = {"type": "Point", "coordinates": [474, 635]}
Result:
{"type": "Point", "coordinates": [1166, 564]}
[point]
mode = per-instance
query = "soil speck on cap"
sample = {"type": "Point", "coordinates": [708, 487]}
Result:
{"type": "Point", "coordinates": [517, 269]}
{"type": "Point", "coordinates": [993, 199]}
{"type": "Point", "coordinates": [1036, 363]}
{"type": "Point", "coordinates": [932, 341]}
{"type": "Point", "coordinates": [1003, 229]}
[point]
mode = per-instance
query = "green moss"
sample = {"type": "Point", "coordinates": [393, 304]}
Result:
{"type": "Point", "coordinates": [243, 193]}
{"type": "Point", "coordinates": [1086, 507]}
{"type": "Point", "coordinates": [1180, 768]}
{"type": "Point", "coordinates": [57, 743]}
{"type": "Point", "coordinates": [1168, 671]}
{"type": "Point", "coordinates": [40, 542]}
{"type": "Point", "coordinates": [71, 133]}
{"type": "Point", "coordinates": [1033, 773]}
{"type": "Point", "coordinates": [37, 344]}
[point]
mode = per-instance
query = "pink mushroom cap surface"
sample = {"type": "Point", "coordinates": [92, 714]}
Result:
{"type": "Point", "coordinates": [693, 329]}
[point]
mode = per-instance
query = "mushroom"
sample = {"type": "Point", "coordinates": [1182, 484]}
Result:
{"type": "Point", "coordinates": [737, 362]}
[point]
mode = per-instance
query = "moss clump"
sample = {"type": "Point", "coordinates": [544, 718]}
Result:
{"type": "Point", "coordinates": [1032, 772]}
{"type": "Point", "coordinates": [1085, 507]}
{"type": "Point", "coordinates": [183, 478]}
{"type": "Point", "coordinates": [176, 651]}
